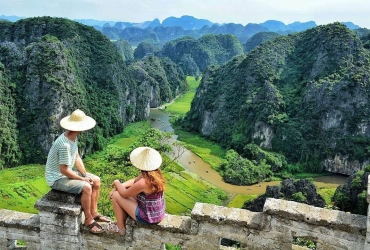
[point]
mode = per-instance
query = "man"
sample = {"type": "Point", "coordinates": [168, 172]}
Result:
{"type": "Point", "coordinates": [60, 174]}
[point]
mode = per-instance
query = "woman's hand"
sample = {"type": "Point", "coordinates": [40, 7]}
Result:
{"type": "Point", "coordinates": [115, 183]}
{"type": "Point", "coordinates": [111, 193]}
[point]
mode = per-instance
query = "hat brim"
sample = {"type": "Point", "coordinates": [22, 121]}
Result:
{"type": "Point", "coordinates": [86, 124]}
{"type": "Point", "coordinates": [146, 158]}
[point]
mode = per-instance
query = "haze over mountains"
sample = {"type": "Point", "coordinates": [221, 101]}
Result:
{"type": "Point", "coordinates": [189, 23]}
{"type": "Point", "coordinates": [172, 28]}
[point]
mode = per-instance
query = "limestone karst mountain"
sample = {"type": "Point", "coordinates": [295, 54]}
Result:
{"type": "Point", "coordinates": [305, 96]}
{"type": "Point", "coordinates": [51, 66]}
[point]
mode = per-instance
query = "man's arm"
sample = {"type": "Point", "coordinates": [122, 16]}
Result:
{"type": "Point", "coordinates": [80, 165]}
{"type": "Point", "coordinates": [69, 173]}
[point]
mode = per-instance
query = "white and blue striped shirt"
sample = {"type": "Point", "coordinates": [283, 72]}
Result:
{"type": "Point", "coordinates": [63, 151]}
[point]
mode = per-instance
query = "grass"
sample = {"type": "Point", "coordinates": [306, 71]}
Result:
{"type": "Point", "coordinates": [238, 200]}
{"type": "Point", "coordinates": [184, 188]}
{"type": "Point", "coordinates": [327, 194]}
{"type": "Point", "coordinates": [182, 103]}
{"type": "Point", "coordinates": [209, 151]}
{"type": "Point", "coordinates": [21, 187]}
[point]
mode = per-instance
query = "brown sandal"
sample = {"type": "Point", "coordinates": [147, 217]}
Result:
{"type": "Point", "coordinates": [98, 229]}
{"type": "Point", "coordinates": [102, 218]}
{"type": "Point", "coordinates": [113, 228]}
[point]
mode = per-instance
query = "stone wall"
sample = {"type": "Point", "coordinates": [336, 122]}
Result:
{"type": "Point", "coordinates": [59, 226]}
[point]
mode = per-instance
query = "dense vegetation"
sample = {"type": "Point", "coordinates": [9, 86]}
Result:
{"type": "Point", "coordinates": [9, 150]}
{"type": "Point", "coordinates": [302, 190]}
{"type": "Point", "coordinates": [124, 49]}
{"type": "Point", "coordinates": [352, 196]}
{"type": "Point", "coordinates": [194, 55]}
{"type": "Point", "coordinates": [304, 96]}
{"type": "Point", "coordinates": [51, 66]}
{"type": "Point", "coordinates": [145, 49]}
{"type": "Point", "coordinates": [22, 186]}
{"type": "Point", "coordinates": [257, 39]}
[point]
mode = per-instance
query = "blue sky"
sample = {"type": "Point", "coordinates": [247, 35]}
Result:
{"type": "Point", "coordinates": [217, 11]}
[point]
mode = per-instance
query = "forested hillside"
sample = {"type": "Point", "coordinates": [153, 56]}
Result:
{"type": "Point", "coordinates": [9, 149]}
{"type": "Point", "coordinates": [51, 66]}
{"type": "Point", "coordinates": [305, 96]}
{"type": "Point", "coordinates": [194, 55]}
{"type": "Point", "coordinates": [257, 39]}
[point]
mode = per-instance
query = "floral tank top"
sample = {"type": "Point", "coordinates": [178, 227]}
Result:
{"type": "Point", "coordinates": [152, 207]}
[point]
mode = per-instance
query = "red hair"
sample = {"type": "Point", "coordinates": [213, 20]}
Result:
{"type": "Point", "coordinates": [155, 180]}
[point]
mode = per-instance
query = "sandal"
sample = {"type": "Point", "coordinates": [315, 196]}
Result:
{"type": "Point", "coordinates": [95, 228]}
{"type": "Point", "coordinates": [102, 218]}
{"type": "Point", "coordinates": [113, 228]}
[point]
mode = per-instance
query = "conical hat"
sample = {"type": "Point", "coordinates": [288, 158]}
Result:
{"type": "Point", "coordinates": [77, 121]}
{"type": "Point", "coordinates": [146, 158]}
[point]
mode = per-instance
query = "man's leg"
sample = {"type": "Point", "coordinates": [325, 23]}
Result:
{"type": "Point", "coordinates": [86, 207]}
{"type": "Point", "coordinates": [95, 196]}
{"type": "Point", "coordinates": [86, 203]}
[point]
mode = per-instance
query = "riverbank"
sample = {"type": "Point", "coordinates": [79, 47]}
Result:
{"type": "Point", "coordinates": [192, 162]}
{"type": "Point", "coordinates": [203, 160]}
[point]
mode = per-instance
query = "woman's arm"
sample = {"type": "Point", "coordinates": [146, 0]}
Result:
{"type": "Point", "coordinates": [131, 182]}
{"type": "Point", "coordinates": [128, 183]}
{"type": "Point", "coordinates": [132, 191]}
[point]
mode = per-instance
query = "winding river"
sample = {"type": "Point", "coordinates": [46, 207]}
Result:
{"type": "Point", "coordinates": [193, 163]}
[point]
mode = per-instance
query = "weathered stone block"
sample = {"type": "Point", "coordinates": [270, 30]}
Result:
{"type": "Point", "coordinates": [9, 218]}
{"type": "Point", "coordinates": [223, 215]}
{"type": "Point", "coordinates": [60, 203]}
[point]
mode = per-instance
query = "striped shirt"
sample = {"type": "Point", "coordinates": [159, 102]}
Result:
{"type": "Point", "coordinates": [63, 151]}
{"type": "Point", "coordinates": [151, 206]}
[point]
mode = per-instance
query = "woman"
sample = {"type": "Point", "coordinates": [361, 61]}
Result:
{"type": "Point", "coordinates": [142, 198]}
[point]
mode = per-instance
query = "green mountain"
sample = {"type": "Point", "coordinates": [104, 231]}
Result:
{"type": "Point", "coordinates": [305, 95]}
{"type": "Point", "coordinates": [194, 55]}
{"type": "Point", "coordinates": [124, 49]}
{"type": "Point", "coordinates": [50, 67]}
{"type": "Point", "coordinates": [257, 39]}
{"type": "Point", "coordinates": [9, 149]}
{"type": "Point", "coordinates": [186, 22]}
{"type": "Point", "coordinates": [145, 49]}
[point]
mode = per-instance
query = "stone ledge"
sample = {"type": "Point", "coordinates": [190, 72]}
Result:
{"type": "Point", "coordinates": [171, 223]}
{"type": "Point", "coordinates": [316, 216]}
{"type": "Point", "coordinates": [60, 202]}
{"type": "Point", "coordinates": [15, 219]}
{"type": "Point", "coordinates": [368, 190]}
{"type": "Point", "coordinates": [232, 216]}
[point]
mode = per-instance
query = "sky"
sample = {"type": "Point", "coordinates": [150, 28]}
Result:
{"type": "Point", "coordinates": [216, 11]}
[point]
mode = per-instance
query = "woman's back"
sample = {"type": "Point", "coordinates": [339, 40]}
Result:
{"type": "Point", "coordinates": [152, 206]}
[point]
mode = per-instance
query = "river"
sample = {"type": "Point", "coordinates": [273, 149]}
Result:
{"type": "Point", "coordinates": [193, 163]}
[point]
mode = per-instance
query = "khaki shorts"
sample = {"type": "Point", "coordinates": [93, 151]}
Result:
{"type": "Point", "coordinates": [70, 185]}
